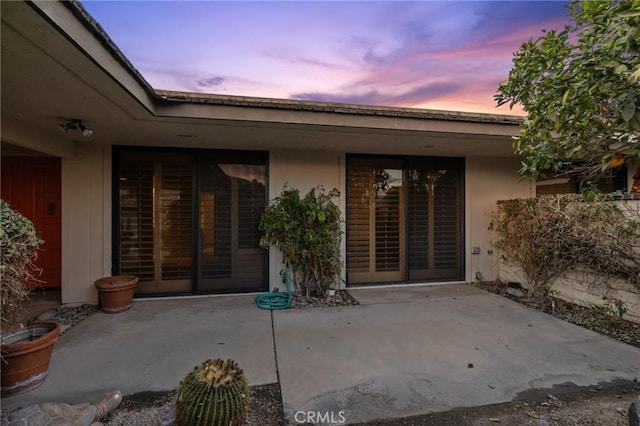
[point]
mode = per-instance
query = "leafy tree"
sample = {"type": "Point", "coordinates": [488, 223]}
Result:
{"type": "Point", "coordinates": [580, 87]}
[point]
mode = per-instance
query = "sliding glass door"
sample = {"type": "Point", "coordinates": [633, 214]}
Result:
{"type": "Point", "coordinates": [404, 219]}
{"type": "Point", "coordinates": [187, 221]}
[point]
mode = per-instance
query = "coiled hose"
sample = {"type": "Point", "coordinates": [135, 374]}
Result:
{"type": "Point", "coordinates": [276, 300]}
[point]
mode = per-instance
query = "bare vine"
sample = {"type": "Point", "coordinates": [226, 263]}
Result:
{"type": "Point", "coordinates": [548, 235]}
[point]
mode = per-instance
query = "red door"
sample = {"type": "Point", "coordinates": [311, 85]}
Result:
{"type": "Point", "coordinates": [32, 186]}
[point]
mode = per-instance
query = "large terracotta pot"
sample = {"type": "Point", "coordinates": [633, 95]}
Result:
{"type": "Point", "coordinates": [116, 292]}
{"type": "Point", "coordinates": [26, 353]}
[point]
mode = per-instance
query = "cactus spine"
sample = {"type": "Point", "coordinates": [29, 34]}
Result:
{"type": "Point", "coordinates": [214, 393]}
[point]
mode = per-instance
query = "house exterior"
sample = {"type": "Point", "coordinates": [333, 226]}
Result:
{"type": "Point", "coordinates": [170, 186]}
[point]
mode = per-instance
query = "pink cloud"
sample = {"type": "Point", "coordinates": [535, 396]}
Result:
{"type": "Point", "coordinates": [443, 55]}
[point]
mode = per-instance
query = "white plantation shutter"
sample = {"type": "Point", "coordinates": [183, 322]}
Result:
{"type": "Point", "coordinates": [387, 230]}
{"type": "Point", "coordinates": [155, 235]}
{"type": "Point", "coordinates": [136, 219]}
{"type": "Point", "coordinates": [175, 200]}
{"type": "Point", "coordinates": [358, 225]}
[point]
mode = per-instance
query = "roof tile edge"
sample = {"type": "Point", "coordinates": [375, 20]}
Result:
{"type": "Point", "coordinates": [334, 107]}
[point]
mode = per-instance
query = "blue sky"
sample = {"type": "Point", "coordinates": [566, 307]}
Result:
{"type": "Point", "coordinates": [447, 55]}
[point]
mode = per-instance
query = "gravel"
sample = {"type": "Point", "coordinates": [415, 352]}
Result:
{"type": "Point", "coordinates": [68, 316]}
{"type": "Point", "coordinates": [340, 298]}
{"type": "Point", "coordinates": [149, 410]}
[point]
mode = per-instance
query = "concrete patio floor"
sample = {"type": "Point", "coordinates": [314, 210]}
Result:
{"type": "Point", "coordinates": [403, 351]}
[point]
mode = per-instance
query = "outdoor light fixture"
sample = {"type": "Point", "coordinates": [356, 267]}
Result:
{"type": "Point", "coordinates": [75, 125]}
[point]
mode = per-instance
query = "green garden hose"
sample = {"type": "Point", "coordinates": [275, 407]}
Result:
{"type": "Point", "coordinates": [276, 300]}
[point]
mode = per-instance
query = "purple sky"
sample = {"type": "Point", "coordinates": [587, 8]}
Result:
{"type": "Point", "coordinates": [439, 55]}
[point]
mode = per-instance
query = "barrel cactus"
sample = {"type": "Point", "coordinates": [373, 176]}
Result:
{"type": "Point", "coordinates": [214, 393]}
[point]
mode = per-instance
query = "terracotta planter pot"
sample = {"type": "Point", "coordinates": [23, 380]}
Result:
{"type": "Point", "coordinates": [116, 293]}
{"type": "Point", "coordinates": [26, 353]}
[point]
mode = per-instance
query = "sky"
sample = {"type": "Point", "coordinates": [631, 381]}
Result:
{"type": "Point", "coordinates": [444, 55]}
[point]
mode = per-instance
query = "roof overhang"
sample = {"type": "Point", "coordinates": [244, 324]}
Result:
{"type": "Point", "coordinates": [58, 64]}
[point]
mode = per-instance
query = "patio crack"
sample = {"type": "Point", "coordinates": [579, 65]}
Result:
{"type": "Point", "coordinates": [275, 350]}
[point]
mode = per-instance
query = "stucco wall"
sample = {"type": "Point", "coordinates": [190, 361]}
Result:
{"type": "Point", "coordinates": [586, 288]}
{"type": "Point", "coordinates": [304, 170]}
{"type": "Point", "coordinates": [86, 181]}
{"type": "Point", "coordinates": [487, 181]}
{"type": "Point", "coordinates": [86, 222]}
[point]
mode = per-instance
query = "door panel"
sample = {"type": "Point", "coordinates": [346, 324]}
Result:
{"type": "Point", "coordinates": [375, 226]}
{"type": "Point", "coordinates": [174, 227]}
{"type": "Point", "coordinates": [48, 219]}
{"type": "Point", "coordinates": [232, 199]}
{"type": "Point", "coordinates": [155, 191]}
{"type": "Point", "coordinates": [389, 226]}
{"type": "Point", "coordinates": [434, 220]}
{"type": "Point", "coordinates": [32, 186]}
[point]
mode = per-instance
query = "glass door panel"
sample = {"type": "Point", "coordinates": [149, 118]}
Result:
{"type": "Point", "coordinates": [232, 199]}
{"type": "Point", "coordinates": [389, 225]}
{"type": "Point", "coordinates": [375, 224]}
{"type": "Point", "coordinates": [434, 205]}
{"type": "Point", "coordinates": [155, 220]}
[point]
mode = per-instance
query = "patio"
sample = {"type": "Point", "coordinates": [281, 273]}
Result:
{"type": "Point", "coordinates": [403, 351]}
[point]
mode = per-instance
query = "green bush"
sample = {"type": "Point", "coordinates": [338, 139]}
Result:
{"type": "Point", "coordinates": [307, 233]}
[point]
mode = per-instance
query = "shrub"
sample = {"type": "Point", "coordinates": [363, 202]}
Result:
{"type": "Point", "coordinates": [547, 235]}
{"type": "Point", "coordinates": [18, 252]}
{"type": "Point", "coordinates": [307, 232]}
